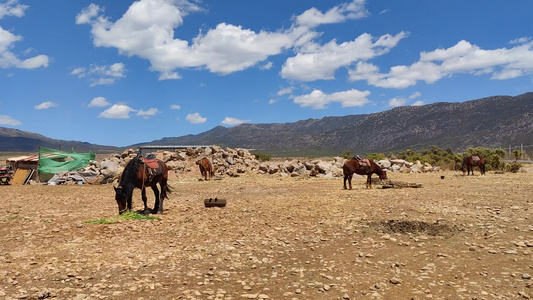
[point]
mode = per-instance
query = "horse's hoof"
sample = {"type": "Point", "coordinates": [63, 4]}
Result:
{"type": "Point", "coordinates": [147, 212]}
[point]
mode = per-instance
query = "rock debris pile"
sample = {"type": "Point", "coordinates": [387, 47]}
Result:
{"type": "Point", "coordinates": [234, 162]}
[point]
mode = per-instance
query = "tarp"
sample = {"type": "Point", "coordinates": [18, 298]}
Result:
{"type": "Point", "coordinates": [52, 161]}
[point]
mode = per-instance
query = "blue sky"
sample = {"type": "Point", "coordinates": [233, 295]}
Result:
{"type": "Point", "coordinates": [124, 72]}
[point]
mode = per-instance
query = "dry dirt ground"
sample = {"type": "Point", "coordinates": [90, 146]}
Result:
{"type": "Point", "coordinates": [277, 238]}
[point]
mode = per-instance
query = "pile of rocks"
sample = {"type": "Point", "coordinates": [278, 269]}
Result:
{"type": "Point", "coordinates": [234, 162]}
{"type": "Point", "coordinates": [403, 166]}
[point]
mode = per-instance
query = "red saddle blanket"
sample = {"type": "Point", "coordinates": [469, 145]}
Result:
{"type": "Point", "coordinates": [364, 163]}
{"type": "Point", "coordinates": [151, 163]}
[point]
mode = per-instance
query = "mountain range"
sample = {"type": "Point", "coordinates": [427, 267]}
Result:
{"type": "Point", "coordinates": [492, 122]}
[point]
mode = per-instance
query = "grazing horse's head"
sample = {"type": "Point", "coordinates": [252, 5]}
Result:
{"type": "Point", "coordinates": [383, 176]}
{"type": "Point", "coordinates": [120, 197]}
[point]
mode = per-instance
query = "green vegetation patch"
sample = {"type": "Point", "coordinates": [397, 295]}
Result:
{"type": "Point", "coordinates": [129, 215]}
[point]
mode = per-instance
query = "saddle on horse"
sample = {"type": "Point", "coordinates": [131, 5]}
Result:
{"type": "Point", "coordinates": [364, 163]}
{"type": "Point", "coordinates": [152, 167]}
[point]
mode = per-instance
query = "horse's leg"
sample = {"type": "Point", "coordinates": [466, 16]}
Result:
{"type": "Point", "coordinates": [163, 185]}
{"type": "Point", "coordinates": [129, 201]}
{"type": "Point", "coordinates": [369, 181]}
{"type": "Point", "coordinates": [345, 178]}
{"type": "Point", "coordinates": [156, 204]}
{"type": "Point", "coordinates": [143, 195]}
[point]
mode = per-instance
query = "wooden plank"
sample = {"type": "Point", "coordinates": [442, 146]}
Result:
{"type": "Point", "coordinates": [20, 176]}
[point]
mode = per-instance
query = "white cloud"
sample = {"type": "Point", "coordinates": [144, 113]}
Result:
{"type": "Point", "coordinates": [463, 58]}
{"type": "Point", "coordinates": [418, 103]}
{"type": "Point", "coordinates": [340, 13]}
{"type": "Point", "coordinates": [117, 111]}
{"type": "Point", "coordinates": [45, 105]}
{"type": "Point", "coordinates": [272, 101]}
{"type": "Point", "coordinates": [285, 91]}
{"type": "Point", "coordinates": [7, 120]}
{"type": "Point", "coordinates": [521, 40]}
{"type": "Point", "coordinates": [12, 8]}
{"type": "Point", "coordinates": [318, 99]}
{"type": "Point", "coordinates": [195, 118]}
{"type": "Point", "coordinates": [175, 106]}
{"type": "Point", "coordinates": [148, 113]}
{"type": "Point", "coordinates": [267, 66]}
{"type": "Point", "coordinates": [415, 95]}
{"type": "Point", "coordinates": [9, 59]}
{"type": "Point", "coordinates": [397, 101]}
{"type": "Point", "coordinates": [101, 74]}
{"type": "Point", "coordinates": [147, 30]}
{"type": "Point", "coordinates": [88, 14]}
{"type": "Point", "coordinates": [99, 102]}
{"type": "Point", "coordinates": [320, 62]}
{"type": "Point", "coordinates": [233, 121]}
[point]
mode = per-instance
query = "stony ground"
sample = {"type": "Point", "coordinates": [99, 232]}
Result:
{"type": "Point", "coordinates": [277, 238]}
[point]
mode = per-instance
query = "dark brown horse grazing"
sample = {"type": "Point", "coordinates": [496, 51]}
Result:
{"type": "Point", "coordinates": [206, 168]}
{"type": "Point", "coordinates": [353, 166]}
{"type": "Point", "coordinates": [140, 173]}
{"type": "Point", "coordinates": [472, 161]}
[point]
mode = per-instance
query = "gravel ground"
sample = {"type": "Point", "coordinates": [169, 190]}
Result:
{"type": "Point", "coordinates": [277, 238]}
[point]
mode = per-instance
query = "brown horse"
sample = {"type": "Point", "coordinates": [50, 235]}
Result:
{"type": "Point", "coordinates": [355, 166]}
{"type": "Point", "coordinates": [140, 173]}
{"type": "Point", "coordinates": [472, 161]}
{"type": "Point", "coordinates": [206, 168]}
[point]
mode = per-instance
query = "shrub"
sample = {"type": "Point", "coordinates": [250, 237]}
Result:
{"type": "Point", "coordinates": [513, 167]}
{"type": "Point", "coordinates": [262, 156]}
{"type": "Point", "coordinates": [346, 154]}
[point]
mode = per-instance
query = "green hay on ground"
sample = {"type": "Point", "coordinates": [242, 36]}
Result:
{"type": "Point", "coordinates": [129, 215]}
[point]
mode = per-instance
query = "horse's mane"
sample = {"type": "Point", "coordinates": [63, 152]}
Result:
{"type": "Point", "coordinates": [128, 180]}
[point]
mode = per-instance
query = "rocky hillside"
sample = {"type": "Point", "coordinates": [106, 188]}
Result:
{"type": "Point", "coordinates": [496, 121]}
{"type": "Point", "coordinates": [14, 140]}
{"type": "Point", "coordinates": [491, 122]}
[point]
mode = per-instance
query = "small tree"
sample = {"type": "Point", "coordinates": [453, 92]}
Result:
{"type": "Point", "coordinates": [501, 153]}
{"type": "Point", "coordinates": [517, 154]}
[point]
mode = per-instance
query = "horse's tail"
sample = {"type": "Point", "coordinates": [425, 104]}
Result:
{"type": "Point", "coordinates": [167, 189]}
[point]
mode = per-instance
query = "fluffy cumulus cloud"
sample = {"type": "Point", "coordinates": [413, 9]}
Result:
{"type": "Point", "coordinates": [397, 101]}
{"type": "Point", "coordinates": [101, 74]}
{"type": "Point", "coordinates": [99, 102]}
{"type": "Point", "coordinates": [233, 121]}
{"type": "Point", "coordinates": [8, 59]}
{"type": "Point", "coordinates": [340, 13]}
{"type": "Point", "coordinates": [320, 62]}
{"type": "Point", "coordinates": [319, 100]}
{"type": "Point", "coordinates": [117, 111]}
{"type": "Point", "coordinates": [401, 101]}
{"type": "Point", "coordinates": [464, 57]}
{"type": "Point", "coordinates": [175, 106]}
{"type": "Point", "coordinates": [147, 30]}
{"type": "Point", "coordinates": [7, 120]}
{"type": "Point", "coordinates": [195, 118]}
{"type": "Point", "coordinates": [148, 113]}
{"type": "Point", "coordinates": [45, 105]}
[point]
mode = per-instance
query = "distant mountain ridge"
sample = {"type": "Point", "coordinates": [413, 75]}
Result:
{"type": "Point", "coordinates": [491, 122]}
{"type": "Point", "coordinates": [14, 140]}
